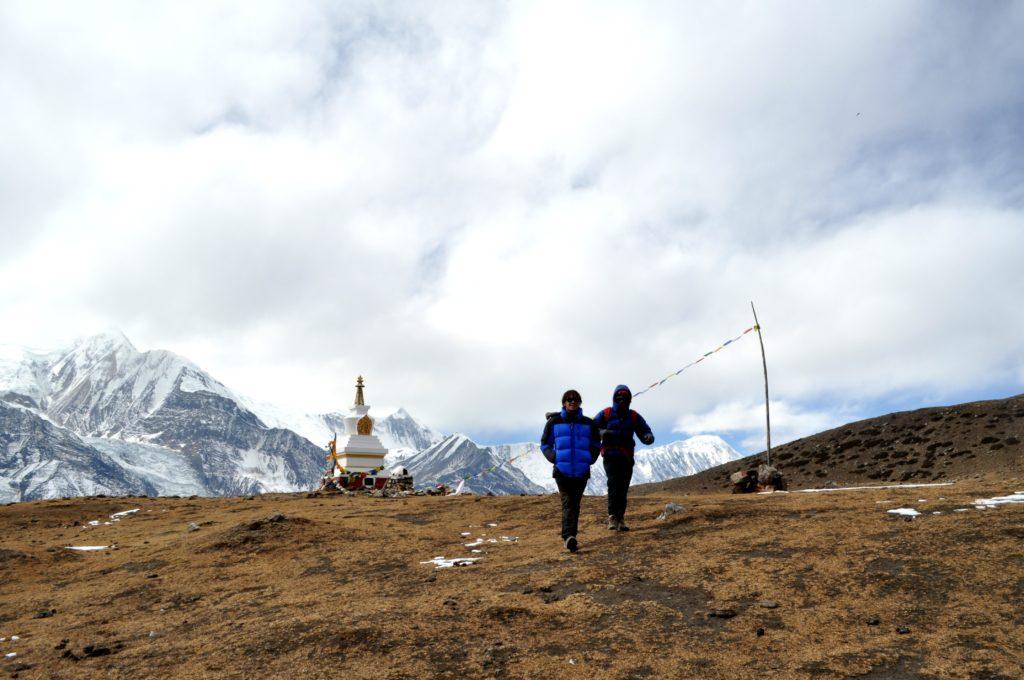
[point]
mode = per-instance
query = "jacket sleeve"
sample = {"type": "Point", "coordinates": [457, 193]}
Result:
{"type": "Point", "coordinates": [547, 444]}
{"type": "Point", "coordinates": [643, 430]}
{"type": "Point", "coordinates": [595, 442]}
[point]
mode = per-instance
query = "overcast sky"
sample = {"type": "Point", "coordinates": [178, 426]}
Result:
{"type": "Point", "coordinates": [478, 205]}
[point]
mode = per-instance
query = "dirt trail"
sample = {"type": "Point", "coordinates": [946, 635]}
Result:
{"type": "Point", "coordinates": [333, 586]}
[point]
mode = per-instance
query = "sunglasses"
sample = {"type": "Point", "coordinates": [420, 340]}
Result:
{"type": "Point", "coordinates": [573, 400]}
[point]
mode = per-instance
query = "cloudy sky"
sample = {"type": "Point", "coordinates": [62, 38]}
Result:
{"type": "Point", "coordinates": [478, 205]}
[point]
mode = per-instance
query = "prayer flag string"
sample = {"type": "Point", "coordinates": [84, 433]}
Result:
{"type": "Point", "coordinates": [661, 382]}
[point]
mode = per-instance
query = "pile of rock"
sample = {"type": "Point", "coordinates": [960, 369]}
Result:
{"type": "Point", "coordinates": [762, 478]}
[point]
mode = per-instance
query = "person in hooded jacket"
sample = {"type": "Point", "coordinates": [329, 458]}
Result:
{"type": "Point", "coordinates": [571, 443]}
{"type": "Point", "coordinates": [617, 425]}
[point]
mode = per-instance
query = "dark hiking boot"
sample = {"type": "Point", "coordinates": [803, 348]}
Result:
{"type": "Point", "coordinates": [620, 524]}
{"type": "Point", "coordinates": [613, 523]}
{"type": "Point", "coordinates": [571, 545]}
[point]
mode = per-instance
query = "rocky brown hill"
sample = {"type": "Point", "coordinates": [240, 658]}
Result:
{"type": "Point", "coordinates": [929, 444]}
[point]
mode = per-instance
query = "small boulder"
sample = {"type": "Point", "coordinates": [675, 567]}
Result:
{"type": "Point", "coordinates": [671, 509]}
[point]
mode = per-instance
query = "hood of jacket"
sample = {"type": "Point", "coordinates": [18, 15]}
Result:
{"type": "Point", "coordinates": [622, 388]}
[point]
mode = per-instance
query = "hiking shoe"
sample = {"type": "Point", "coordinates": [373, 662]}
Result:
{"type": "Point", "coordinates": [571, 545]}
{"type": "Point", "coordinates": [613, 523]}
{"type": "Point", "coordinates": [621, 525]}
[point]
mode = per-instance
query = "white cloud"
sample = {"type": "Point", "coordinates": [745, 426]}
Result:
{"type": "Point", "coordinates": [788, 422]}
{"type": "Point", "coordinates": [477, 207]}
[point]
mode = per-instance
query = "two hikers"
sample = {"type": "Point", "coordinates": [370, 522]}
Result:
{"type": "Point", "coordinates": [617, 425]}
{"type": "Point", "coordinates": [573, 442]}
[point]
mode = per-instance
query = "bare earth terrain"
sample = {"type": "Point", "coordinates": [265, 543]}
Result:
{"type": "Point", "coordinates": [801, 585]}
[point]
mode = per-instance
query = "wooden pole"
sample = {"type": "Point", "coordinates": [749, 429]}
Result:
{"type": "Point", "coordinates": [764, 364]}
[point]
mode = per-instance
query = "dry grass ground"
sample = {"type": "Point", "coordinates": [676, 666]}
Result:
{"type": "Point", "coordinates": [336, 588]}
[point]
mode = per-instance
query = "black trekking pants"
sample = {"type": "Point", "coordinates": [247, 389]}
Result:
{"type": "Point", "coordinates": [571, 491]}
{"type": "Point", "coordinates": [620, 472]}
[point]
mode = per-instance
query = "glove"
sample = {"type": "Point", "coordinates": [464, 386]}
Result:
{"type": "Point", "coordinates": [647, 438]}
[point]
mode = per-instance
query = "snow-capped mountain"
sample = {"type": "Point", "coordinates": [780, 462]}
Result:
{"type": "Point", "coordinates": [102, 417]}
{"type": "Point", "coordinates": [457, 457]}
{"type": "Point", "coordinates": [654, 464]}
{"type": "Point", "coordinates": [102, 386]}
{"type": "Point", "coordinates": [39, 459]}
{"type": "Point", "coordinates": [182, 419]}
{"type": "Point", "coordinates": [166, 425]}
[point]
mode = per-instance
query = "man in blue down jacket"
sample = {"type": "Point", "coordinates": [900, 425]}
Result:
{"type": "Point", "coordinates": [617, 426]}
{"type": "Point", "coordinates": [571, 443]}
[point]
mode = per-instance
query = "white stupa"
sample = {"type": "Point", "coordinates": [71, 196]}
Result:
{"type": "Point", "coordinates": [359, 450]}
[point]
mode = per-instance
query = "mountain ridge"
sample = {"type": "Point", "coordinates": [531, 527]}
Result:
{"type": "Point", "coordinates": [172, 428]}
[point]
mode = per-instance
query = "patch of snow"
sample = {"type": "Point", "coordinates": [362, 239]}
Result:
{"type": "Point", "coordinates": [123, 513]}
{"type": "Point", "coordinates": [440, 562]}
{"type": "Point", "coordinates": [905, 512]}
{"type": "Point", "coordinates": [88, 548]}
{"type": "Point", "coordinates": [1017, 497]}
{"type": "Point", "coordinates": [868, 488]}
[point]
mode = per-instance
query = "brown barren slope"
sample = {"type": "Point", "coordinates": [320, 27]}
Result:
{"type": "Point", "coordinates": [977, 439]}
{"type": "Point", "coordinates": [335, 588]}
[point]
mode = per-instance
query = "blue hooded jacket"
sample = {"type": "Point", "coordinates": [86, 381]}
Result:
{"type": "Point", "coordinates": [618, 424]}
{"type": "Point", "coordinates": [571, 443]}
